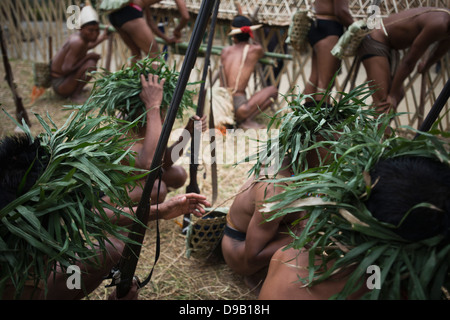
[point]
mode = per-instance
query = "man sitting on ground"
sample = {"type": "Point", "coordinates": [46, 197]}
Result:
{"type": "Point", "coordinates": [238, 63]}
{"type": "Point", "coordinates": [71, 65]}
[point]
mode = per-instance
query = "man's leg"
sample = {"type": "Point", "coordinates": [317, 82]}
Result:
{"type": "Point", "coordinates": [327, 64]}
{"type": "Point", "coordinates": [91, 275]}
{"type": "Point", "coordinates": [73, 85]}
{"type": "Point", "coordinates": [141, 35]}
{"type": "Point", "coordinates": [260, 101]}
{"type": "Point", "coordinates": [378, 72]}
{"type": "Point", "coordinates": [174, 176]}
{"type": "Point", "coordinates": [313, 81]}
{"type": "Point", "coordinates": [136, 194]}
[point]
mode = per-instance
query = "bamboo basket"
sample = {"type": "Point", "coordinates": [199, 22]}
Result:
{"type": "Point", "coordinates": [204, 234]}
{"type": "Point", "coordinates": [349, 42]}
{"type": "Point", "coordinates": [299, 28]}
{"type": "Point", "coordinates": [41, 74]}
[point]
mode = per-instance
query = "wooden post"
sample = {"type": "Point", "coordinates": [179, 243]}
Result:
{"type": "Point", "coordinates": [21, 113]}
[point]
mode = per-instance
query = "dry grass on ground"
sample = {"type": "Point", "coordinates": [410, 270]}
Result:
{"type": "Point", "coordinates": [175, 276]}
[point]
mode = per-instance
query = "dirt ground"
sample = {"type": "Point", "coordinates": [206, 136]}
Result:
{"type": "Point", "coordinates": [175, 276]}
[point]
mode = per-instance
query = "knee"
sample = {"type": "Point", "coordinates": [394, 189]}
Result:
{"type": "Point", "coordinates": [160, 195]}
{"type": "Point", "coordinates": [273, 92]}
{"type": "Point", "coordinates": [175, 177]}
{"type": "Point", "coordinates": [91, 65]}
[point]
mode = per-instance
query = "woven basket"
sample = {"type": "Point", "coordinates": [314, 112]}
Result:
{"type": "Point", "coordinates": [205, 234]}
{"type": "Point", "coordinates": [299, 28]}
{"type": "Point", "coordinates": [41, 74]}
{"type": "Point", "coordinates": [349, 42]}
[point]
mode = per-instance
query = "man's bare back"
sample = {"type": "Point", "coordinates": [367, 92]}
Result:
{"type": "Point", "coordinates": [404, 27]}
{"type": "Point", "coordinates": [231, 61]}
{"type": "Point", "coordinates": [250, 256]}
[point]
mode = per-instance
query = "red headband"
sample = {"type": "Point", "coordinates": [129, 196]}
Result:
{"type": "Point", "coordinates": [247, 29]}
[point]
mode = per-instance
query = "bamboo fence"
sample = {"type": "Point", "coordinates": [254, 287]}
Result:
{"type": "Point", "coordinates": [36, 29]}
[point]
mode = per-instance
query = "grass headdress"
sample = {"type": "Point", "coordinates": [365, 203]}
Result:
{"type": "Point", "coordinates": [117, 93]}
{"type": "Point", "coordinates": [341, 233]}
{"type": "Point", "coordinates": [61, 217]}
{"type": "Point", "coordinates": [302, 125]}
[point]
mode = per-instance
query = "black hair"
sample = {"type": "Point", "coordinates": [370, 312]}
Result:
{"type": "Point", "coordinates": [21, 164]}
{"type": "Point", "coordinates": [90, 23]}
{"type": "Point", "coordinates": [241, 21]}
{"type": "Point", "coordinates": [405, 182]}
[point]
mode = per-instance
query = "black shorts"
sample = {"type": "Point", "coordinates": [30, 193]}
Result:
{"type": "Point", "coordinates": [322, 28]}
{"type": "Point", "coordinates": [121, 16]}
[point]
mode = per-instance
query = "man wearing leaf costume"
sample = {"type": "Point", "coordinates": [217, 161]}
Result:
{"type": "Point", "coordinates": [252, 235]}
{"type": "Point", "coordinates": [53, 209]}
{"type": "Point", "coordinates": [384, 203]}
{"type": "Point", "coordinates": [142, 93]}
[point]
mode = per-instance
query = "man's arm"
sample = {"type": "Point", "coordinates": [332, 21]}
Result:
{"type": "Point", "coordinates": [263, 238]}
{"type": "Point", "coordinates": [75, 57]}
{"type": "Point", "coordinates": [442, 48]}
{"type": "Point", "coordinates": [154, 26]}
{"type": "Point", "coordinates": [190, 203]}
{"type": "Point", "coordinates": [99, 40]}
{"type": "Point", "coordinates": [342, 12]}
{"type": "Point", "coordinates": [183, 11]}
{"type": "Point", "coordinates": [180, 144]}
{"type": "Point", "coordinates": [151, 95]}
{"type": "Point", "coordinates": [418, 48]}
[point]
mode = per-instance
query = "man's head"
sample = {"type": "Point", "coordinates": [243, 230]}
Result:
{"type": "Point", "coordinates": [21, 164]}
{"type": "Point", "coordinates": [89, 23]}
{"type": "Point", "coordinates": [242, 28]}
{"type": "Point", "coordinates": [406, 182]}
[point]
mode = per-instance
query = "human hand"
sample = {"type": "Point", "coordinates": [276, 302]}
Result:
{"type": "Point", "coordinates": [132, 294]}
{"type": "Point", "coordinates": [422, 66]}
{"type": "Point", "coordinates": [184, 204]}
{"type": "Point", "coordinates": [93, 56]}
{"type": "Point", "coordinates": [196, 122]}
{"type": "Point", "coordinates": [177, 35]}
{"type": "Point", "coordinates": [152, 91]}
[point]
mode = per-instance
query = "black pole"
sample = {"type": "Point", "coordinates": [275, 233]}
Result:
{"type": "Point", "coordinates": [131, 252]}
{"type": "Point", "coordinates": [195, 140]}
{"type": "Point", "coordinates": [435, 109]}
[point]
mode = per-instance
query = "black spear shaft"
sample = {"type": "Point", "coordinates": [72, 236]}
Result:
{"type": "Point", "coordinates": [131, 252]}
{"type": "Point", "coordinates": [435, 109]}
{"type": "Point", "coordinates": [195, 140]}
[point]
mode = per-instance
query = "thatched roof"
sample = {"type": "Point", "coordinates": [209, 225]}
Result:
{"type": "Point", "coordinates": [279, 12]}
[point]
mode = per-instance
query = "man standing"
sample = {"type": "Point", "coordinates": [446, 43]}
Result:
{"type": "Point", "coordinates": [331, 18]}
{"type": "Point", "coordinates": [72, 63]}
{"type": "Point", "coordinates": [238, 62]}
{"type": "Point", "coordinates": [139, 34]}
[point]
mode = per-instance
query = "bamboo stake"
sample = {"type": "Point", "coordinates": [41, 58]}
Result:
{"type": "Point", "coordinates": [21, 113]}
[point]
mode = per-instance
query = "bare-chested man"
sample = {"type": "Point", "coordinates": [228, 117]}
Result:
{"type": "Point", "coordinates": [331, 18]}
{"type": "Point", "coordinates": [238, 63]}
{"type": "Point", "coordinates": [249, 240]}
{"type": "Point", "coordinates": [139, 33]}
{"type": "Point", "coordinates": [416, 29]}
{"type": "Point", "coordinates": [71, 65]}
{"type": "Point", "coordinates": [282, 281]}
